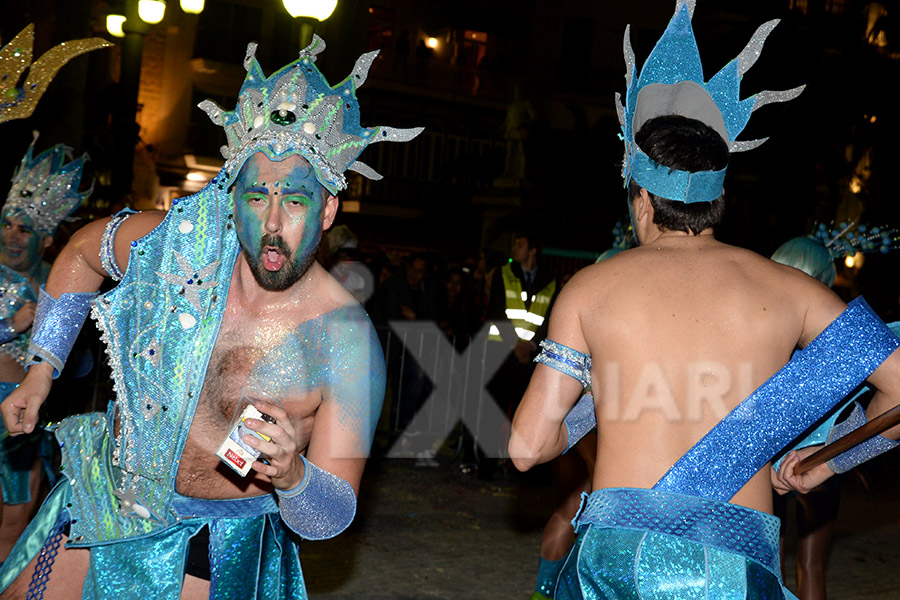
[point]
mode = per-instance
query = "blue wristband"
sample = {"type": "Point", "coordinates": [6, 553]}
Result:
{"type": "Point", "coordinates": [56, 326]}
{"type": "Point", "coordinates": [580, 420]}
{"type": "Point", "coordinates": [863, 451]}
{"type": "Point", "coordinates": [7, 331]}
{"type": "Point", "coordinates": [320, 507]}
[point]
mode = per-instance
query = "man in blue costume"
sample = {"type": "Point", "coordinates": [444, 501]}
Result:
{"type": "Point", "coordinates": [688, 343]}
{"type": "Point", "coordinates": [219, 299]}
{"type": "Point", "coordinates": [44, 192]}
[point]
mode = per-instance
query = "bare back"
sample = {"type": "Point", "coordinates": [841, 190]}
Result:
{"type": "Point", "coordinates": [680, 332]}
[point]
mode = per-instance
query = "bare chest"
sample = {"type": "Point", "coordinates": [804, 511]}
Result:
{"type": "Point", "coordinates": [250, 356]}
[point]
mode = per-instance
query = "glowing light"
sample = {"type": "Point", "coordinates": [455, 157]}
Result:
{"type": "Point", "coordinates": [151, 11]}
{"type": "Point", "coordinates": [855, 185]}
{"type": "Point", "coordinates": [114, 25]}
{"type": "Point", "coordinates": [196, 176]}
{"type": "Point", "coordinates": [873, 119]}
{"type": "Point", "coordinates": [432, 43]}
{"type": "Point", "coordinates": [317, 9]}
{"type": "Point", "coordinates": [850, 262]}
{"type": "Point", "coordinates": [194, 7]}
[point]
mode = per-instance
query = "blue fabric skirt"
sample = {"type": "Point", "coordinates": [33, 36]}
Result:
{"type": "Point", "coordinates": [251, 554]}
{"type": "Point", "coordinates": [638, 544]}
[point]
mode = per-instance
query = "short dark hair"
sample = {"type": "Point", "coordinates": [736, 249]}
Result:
{"type": "Point", "coordinates": [687, 145]}
{"type": "Point", "coordinates": [532, 236]}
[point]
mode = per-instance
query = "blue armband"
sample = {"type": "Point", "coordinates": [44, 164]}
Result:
{"type": "Point", "coordinates": [7, 331]}
{"type": "Point", "coordinates": [580, 420]}
{"type": "Point", "coordinates": [862, 452]}
{"type": "Point", "coordinates": [56, 325]}
{"type": "Point", "coordinates": [322, 506]}
{"type": "Point", "coordinates": [566, 360]}
{"type": "Point", "coordinates": [107, 243]}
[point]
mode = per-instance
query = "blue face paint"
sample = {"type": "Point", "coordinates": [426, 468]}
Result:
{"type": "Point", "coordinates": [279, 225]}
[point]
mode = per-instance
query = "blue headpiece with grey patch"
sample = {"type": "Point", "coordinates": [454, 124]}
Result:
{"type": "Point", "coordinates": [671, 83]}
{"type": "Point", "coordinates": [296, 110]}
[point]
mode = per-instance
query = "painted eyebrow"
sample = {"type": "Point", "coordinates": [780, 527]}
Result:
{"type": "Point", "coordinates": [257, 190]}
{"type": "Point", "coordinates": [296, 191]}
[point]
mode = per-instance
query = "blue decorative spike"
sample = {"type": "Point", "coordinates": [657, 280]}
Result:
{"type": "Point", "coordinates": [45, 188]}
{"type": "Point", "coordinates": [671, 81]}
{"type": "Point", "coordinates": [296, 110]}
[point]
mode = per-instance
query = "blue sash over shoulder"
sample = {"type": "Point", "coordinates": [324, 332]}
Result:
{"type": "Point", "coordinates": [814, 380]}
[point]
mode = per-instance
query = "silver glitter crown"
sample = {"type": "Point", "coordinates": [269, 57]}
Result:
{"type": "Point", "coordinates": [45, 188]}
{"type": "Point", "coordinates": [297, 110]}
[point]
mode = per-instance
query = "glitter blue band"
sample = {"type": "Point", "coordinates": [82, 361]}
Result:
{"type": "Point", "coordinates": [814, 380]}
{"type": "Point", "coordinates": [107, 244]}
{"type": "Point", "coordinates": [320, 507]}
{"type": "Point", "coordinates": [580, 420]}
{"type": "Point", "coordinates": [862, 452]}
{"type": "Point", "coordinates": [7, 331]}
{"type": "Point", "coordinates": [566, 360]}
{"type": "Point", "coordinates": [187, 507]}
{"type": "Point", "coordinates": [727, 526]}
{"type": "Point", "coordinates": [56, 326]}
{"type": "Point", "coordinates": [672, 184]}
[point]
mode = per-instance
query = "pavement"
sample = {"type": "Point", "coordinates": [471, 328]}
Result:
{"type": "Point", "coordinates": [435, 532]}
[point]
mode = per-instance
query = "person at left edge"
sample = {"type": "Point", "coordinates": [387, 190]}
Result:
{"type": "Point", "coordinates": [44, 192]}
{"type": "Point", "coordinates": [219, 295]}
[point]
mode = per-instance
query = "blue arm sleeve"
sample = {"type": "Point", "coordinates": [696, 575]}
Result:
{"type": "Point", "coordinates": [322, 506]}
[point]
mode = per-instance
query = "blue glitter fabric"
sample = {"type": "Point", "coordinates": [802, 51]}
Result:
{"type": "Point", "coordinates": [15, 292]}
{"type": "Point", "coordinates": [566, 360]}
{"type": "Point", "coordinates": [320, 507]}
{"type": "Point", "coordinates": [862, 452]}
{"type": "Point", "coordinates": [247, 537]}
{"type": "Point", "coordinates": [548, 574]}
{"type": "Point", "coordinates": [644, 544]}
{"type": "Point", "coordinates": [580, 420]}
{"type": "Point", "coordinates": [814, 380]}
{"type": "Point", "coordinates": [57, 322]}
{"type": "Point", "coordinates": [17, 454]}
{"type": "Point", "coordinates": [107, 244]}
{"type": "Point", "coordinates": [671, 82]}
{"type": "Point", "coordinates": [160, 325]}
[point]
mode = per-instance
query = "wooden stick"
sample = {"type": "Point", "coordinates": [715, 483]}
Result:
{"type": "Point", "coordinates": [878, 425]}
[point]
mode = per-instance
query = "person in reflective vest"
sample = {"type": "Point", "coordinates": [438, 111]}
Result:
{"type": "Point", "coordinates": [522, 292]}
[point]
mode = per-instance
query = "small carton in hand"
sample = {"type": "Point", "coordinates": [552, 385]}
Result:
{"type": "Point", "coordinates": [233, 451]}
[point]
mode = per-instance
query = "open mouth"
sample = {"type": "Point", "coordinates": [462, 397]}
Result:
{"type": "Point", "coordinates": [273, 258]}
{"type": "Point", "coordinates": [13, 252]}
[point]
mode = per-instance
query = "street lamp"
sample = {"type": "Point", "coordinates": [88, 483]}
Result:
{"type": "Point", "coordinates": [151, 11]}
{"type": "Point", "coordinates": [114, 25]}
{"type": "Point", "coordinates": [316, 9]}
{"type": "Point", "coordinates": [194, 7]}
{"type": "Point", "coordinates": [307, 10]}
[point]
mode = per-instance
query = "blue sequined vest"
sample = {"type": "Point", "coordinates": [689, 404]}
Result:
{"type": "Point", "coordinates": [160, 325]}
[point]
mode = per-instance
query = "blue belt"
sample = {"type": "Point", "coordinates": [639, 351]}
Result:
{"type": "Point", "coordinates": [750, 533]}
{"type": "Point", "coordinates": [186, 507]}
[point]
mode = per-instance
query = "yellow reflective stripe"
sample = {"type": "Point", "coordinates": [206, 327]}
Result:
{"type": "Point", "coordinates": [534, 318]}
{"type": "Point", "coordinates": [516, 313]}
{"type": "Point", "coordinates": [524, 334]}
{"type": "Point", "coordinates": [493, 330]}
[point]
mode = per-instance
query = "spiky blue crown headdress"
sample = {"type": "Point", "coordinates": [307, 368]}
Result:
{"type": "Point", "coordinates": [45, 188]}
{"type": "Point", "coordinates": [671, 83]}
{"type": "Point", "coordinates": [297, 110]}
